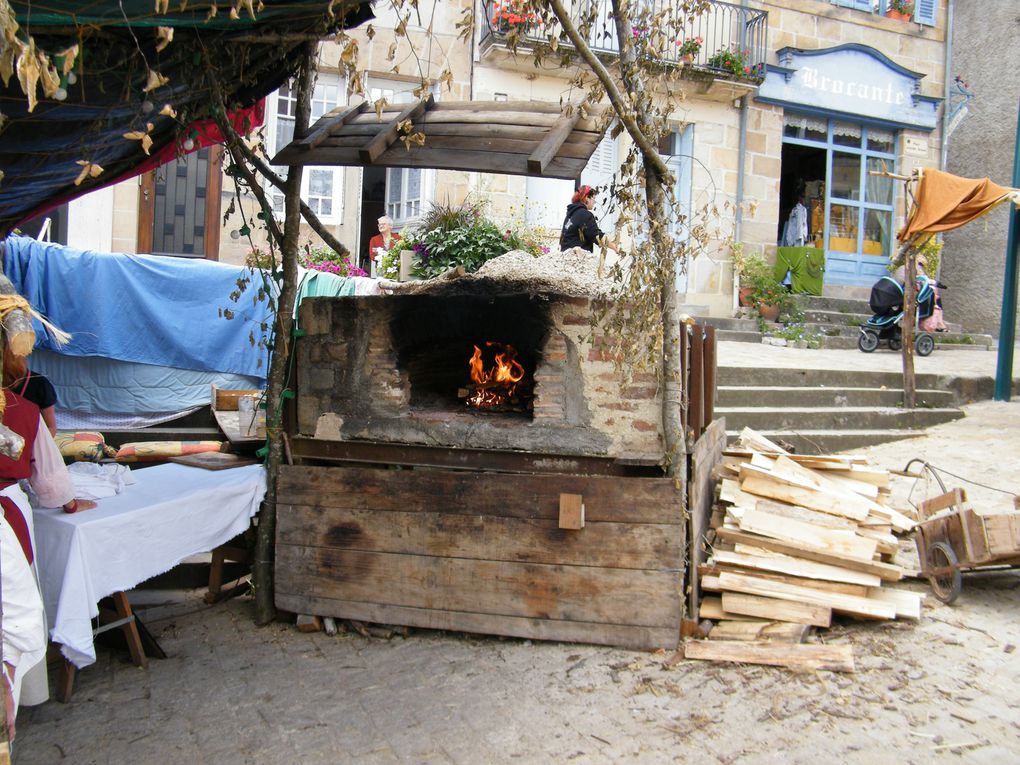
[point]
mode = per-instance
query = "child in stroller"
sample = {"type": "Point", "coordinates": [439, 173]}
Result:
{"type": "Point", "coordinates": [887, 304]}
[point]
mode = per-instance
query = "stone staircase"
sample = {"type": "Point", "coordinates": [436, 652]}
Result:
{"type": "Point", "coordinates": [825, 411]}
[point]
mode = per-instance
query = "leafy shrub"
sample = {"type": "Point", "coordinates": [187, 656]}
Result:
{"type": "Point", "coordinates": [328, 261]}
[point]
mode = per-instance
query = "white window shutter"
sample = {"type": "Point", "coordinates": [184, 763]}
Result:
{"type": "Point", "coordinates": [925, 12]}
{"type": "Point", "coordinates": [599, 173]}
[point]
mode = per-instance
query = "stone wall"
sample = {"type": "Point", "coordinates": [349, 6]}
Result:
{"type": "Point", "coordinates": [352, 386]}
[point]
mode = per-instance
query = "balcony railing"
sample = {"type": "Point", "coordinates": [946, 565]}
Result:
{"type": "Point", "coordinates": [724, 28]}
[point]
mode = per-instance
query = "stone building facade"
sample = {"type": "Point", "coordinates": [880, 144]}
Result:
{"type": "Point", "coordinates": [836, 90]}
{"type": "Point", "coordinates": [986, 56]}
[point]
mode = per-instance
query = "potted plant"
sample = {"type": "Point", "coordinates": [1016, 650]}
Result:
{"type": "Point", "coordinates": [759, 288]}
{"type": "Point", "coordinates": [732, 61]}
{"type": "Point", "coordinates": [900, 9]}
{"type": "Point", "coordinates": [688, 49]}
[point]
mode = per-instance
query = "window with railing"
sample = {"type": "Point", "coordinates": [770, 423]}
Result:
{"type": "Point", "coordinates": [919, 11]}
{"type": "Point", "coordinates": [724, 35]}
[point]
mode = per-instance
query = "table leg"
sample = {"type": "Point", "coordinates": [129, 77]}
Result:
{"type": "Point", "coordinates": [220, 556]}
{"type": "Point", "coordinates": [65, 680]}
{"type": "Point", "coordinates": [134, 640]}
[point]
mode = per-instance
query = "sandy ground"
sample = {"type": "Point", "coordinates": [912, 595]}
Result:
{"type": "Point", "coordinates": [941, 690]}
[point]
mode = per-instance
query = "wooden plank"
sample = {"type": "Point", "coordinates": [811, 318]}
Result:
{"type": "Point", "coordinates": [794, 492]}
{"type": "Point", "coordinates": [887, 571]}
{"type": "Point", "coordinates": [848, 604]}
{"type": "Point", "coordinates": [842, 543]}
{"type": "Point", "coordinates": [330, 123]}
{"type": "Point", "coordinates": [781, 632]}
{"type": "Point", "coordinates": [552, 142]}
{"type": "Point", "coordinates": [797, 567]}
{"type": "Point", "coordinates": [711, 608]}
{"type": "Point", "coordinates": [774, 609]}
{"type": "Point", "coordinates": [822, 585]}
{"type": "Point", "coordinates": [752, 439]}
{"type": "Point", "coordinates": [483, 537]}
{"type": "Point", "coordinates": [623, 635]}
{"type": "Point", "coordinates": [573, 593]}
{"type": "Point", "coordinates": [805, 514]}
{"type": "Point", "coordinates": [907, 603]}
{"type": "Point", "coordinates": [876, 476]}
{"type": "Point", "coordinates": [931, 506]}
{"type": "Point", "coordinates": [836, 658]}
{"type": "Point", "coordinates": [389, 134]}
{"type": "Point", "coordinates": [629, 500]}
{"type": "Point", "coordinates": [571, 512]}
{"type": "Point", "coordinates": [705, 454]}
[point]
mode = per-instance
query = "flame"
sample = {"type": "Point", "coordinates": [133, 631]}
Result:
{"type": "Point", "coordinates": [499, 381]}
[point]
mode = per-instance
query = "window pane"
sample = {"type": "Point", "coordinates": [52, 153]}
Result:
{"type": "Point", "coordinates": [881, 140]}
{"type": "Point", "coordinates": [413, 184]}
{"type": "Point", "coordinates": [846, 175]}
{"type": "Point", "coordinates": [880, 189]}
{"type": "Point", "coordinates": [320, 183]}
{"type": "Point", "coordinates": [393, 185]}
{"type": "Point", "coordinates": [843, 228]}
{"type": "Point", "coordinates": [284, 132]}
{"type": "Point", "coordinates": [846, 134]}
{"type": "Point", "coordinates": [808, 128]}
{"type": "Point", "coordinates": [877, 232]}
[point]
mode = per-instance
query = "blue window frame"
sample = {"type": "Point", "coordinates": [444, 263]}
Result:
{"type": "Point", "coordinates": [857, 233]}
{"type": "Point", "coordinates": [925, 11]}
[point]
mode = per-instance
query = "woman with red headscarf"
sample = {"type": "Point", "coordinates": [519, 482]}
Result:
{"type": "Point", "coordinates": [580, 228]}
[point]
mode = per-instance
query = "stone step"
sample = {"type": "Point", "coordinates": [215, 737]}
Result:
{"type": "Point", "coordinates": [811, 378]}
{"type": "Point", "coordinates": [734, 336]}
{"type": "Point", "coordinates": [841, 305]}
{"type": "Point", "coordinates": [789, 395]}
{"type": "Point", "coordinates": [723, 322]}
{"type": "Point", "coordinates": [834, 418]}
{"type": "Point", "coordinates": [838, 318]}
{"type": "Point", "coordinates": [833, 441]}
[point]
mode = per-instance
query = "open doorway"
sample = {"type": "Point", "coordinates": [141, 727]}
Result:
{"type": "Point", "coordinates": [803, 170]}
{"type": "Point", "coordinates": [373, 207]}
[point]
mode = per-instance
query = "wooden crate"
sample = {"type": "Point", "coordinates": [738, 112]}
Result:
{"type": "Point", "coordinates": [483, 552]}
{"type": "Point", "coordinates": [976, 538]}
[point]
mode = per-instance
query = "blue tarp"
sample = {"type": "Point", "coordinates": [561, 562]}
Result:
{"type": "Point", "coordinates": [141, 308]}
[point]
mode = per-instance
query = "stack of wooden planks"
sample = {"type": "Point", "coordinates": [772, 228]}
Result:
{"type": "Point", "coordinates": [797, 539]}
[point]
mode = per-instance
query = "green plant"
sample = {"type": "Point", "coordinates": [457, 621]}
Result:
{"type": "Point", "coordinates": [733, 61]}
{"type": "Point", "coordinates": [690, 46]}
{"type": "Point", "coordinates": [756, 273]}
{"type": "Point", "coordinates": [902, 6]}
{"type": "Point", "coordinates": [931, 251]}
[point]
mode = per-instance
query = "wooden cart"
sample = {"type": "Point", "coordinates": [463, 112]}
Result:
{"type": "Point", "coordinates": [962, 540]}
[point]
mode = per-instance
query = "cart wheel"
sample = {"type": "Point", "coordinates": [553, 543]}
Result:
{"type": "Point", "coordinates": [895, 343]}
{"type": "Point", "coordinates": [868, 341]}
{"type": "Point", "coordinates": [924, 344]}
{"type": "Point", "coordinates": [944, 575]}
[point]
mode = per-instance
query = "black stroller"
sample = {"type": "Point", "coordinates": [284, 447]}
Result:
{"type": "Point", "coordinates": [887, 304]}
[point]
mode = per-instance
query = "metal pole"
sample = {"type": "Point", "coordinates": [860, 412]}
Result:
{"type": "Point", "coordinates": [1007, 323]}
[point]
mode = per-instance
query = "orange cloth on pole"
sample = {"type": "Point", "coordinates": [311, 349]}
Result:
{"type": "Point", "coordinates": [945, 201]}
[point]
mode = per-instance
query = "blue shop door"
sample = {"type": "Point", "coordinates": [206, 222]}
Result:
{"type": "Point", "coordinates": [854, 269]}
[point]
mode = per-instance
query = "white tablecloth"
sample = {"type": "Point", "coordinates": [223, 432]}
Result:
{"type": "Point", "coordinates": [170, 512]}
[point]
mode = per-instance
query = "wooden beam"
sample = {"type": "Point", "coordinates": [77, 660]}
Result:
{"type": "Point", "coordinates": [847, 604]}
{"type": "Point", "coordinates": [887, 571]}
{"type": "Point", "coordinates": [754, 630]}
{"type": "Point", "coordinates": [949, 499]}
{"type": "Point", "coordinates": [328, 126]}
{"type": "Point", "coordinates": [840, 542]}
{"type": "Point", "coordinates": [837, 658]}
{"type": "Point", "coordinates": [552, 142]}
{"type": "Point", "coordinates": [790, 566]}
{"type": "Point", "coordinates": [774, 609]}
{"type": "Point", "coordinates": [371, 151]}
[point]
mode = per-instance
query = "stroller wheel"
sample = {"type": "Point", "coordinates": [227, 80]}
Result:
{"type": "Point", "coordinates": [868, 340]}
{"type": "Point", "coordinates": [895, 343]}
{"type": "Point", "coordinates": [924, 344]}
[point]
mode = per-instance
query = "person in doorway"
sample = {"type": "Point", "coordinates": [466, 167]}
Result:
{"type": "Point", "coordinates": [32, 386]}
{"type": "Point", "coordinates": [580, 228]}
{"type": "Point", "coordinates": [24, 623]}
{"type": "Point", "coordinates": [380, 244]}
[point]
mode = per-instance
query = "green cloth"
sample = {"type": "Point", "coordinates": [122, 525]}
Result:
{"type": "Point", "coordinates": [322, 284]}
{"type": "Point", "coordinates": [806, 266]}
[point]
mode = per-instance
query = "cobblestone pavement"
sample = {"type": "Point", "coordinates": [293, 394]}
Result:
{"type": "Point", "coordinates": [941, 690]}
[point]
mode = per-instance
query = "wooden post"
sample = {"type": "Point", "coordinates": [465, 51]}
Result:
{"type": "Point", "coordinates": [696, 389]}
{"type": "Point", "coordinates": [710, 370]}
{"type": "Point", "coordinates": [907, 325]}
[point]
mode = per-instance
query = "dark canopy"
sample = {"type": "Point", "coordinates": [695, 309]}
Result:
{"type": "Point", "coordinates": [42, 152]}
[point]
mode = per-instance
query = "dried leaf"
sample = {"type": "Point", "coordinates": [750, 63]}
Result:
{"type": "Point", "coordinates": [68, 56]}
{"type": "Point", "coordinates": [155, 80]}
{"type": "Point", "coordinates": [213, 10]}
{"type": "Point", "coordinates": [380, 104]}
{"type": "Point", "coordinates": [168, 111]}
{"type": "Point", "coordinates": [28, 72]}
{"type": "Point", "coordinates": [164, 36]}
{"type": "Point", "coordinates": [162, 6]}
{"type": "Point", "coordinates": [49, 77]}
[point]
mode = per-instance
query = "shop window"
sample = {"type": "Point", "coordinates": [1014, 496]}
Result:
{"type": "Point", "coordinates": [805, 128]}
{"type": "Point", "coordinates": [321, 187]}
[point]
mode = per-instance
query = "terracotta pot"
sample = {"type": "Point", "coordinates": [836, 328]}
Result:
{"type": "Point", "coordinates": [744, 296]}
{"type": "Point", "coordinates": [768, 312]}
{"type": "Point", "coordinates": [898, 15]}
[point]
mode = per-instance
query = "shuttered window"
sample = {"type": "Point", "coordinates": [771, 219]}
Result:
{"type": "Point", "coordinates": [925, 10]}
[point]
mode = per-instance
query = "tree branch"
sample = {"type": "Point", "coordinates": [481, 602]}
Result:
{"type": "Point", "coordinates": [623, 110]}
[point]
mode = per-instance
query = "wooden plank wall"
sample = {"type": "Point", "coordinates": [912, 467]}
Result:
{"type": "Point", "coordinates": [483, 552]}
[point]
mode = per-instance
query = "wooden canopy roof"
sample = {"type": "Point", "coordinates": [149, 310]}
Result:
{"type": "Point", "coordinates": [510, 137]}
